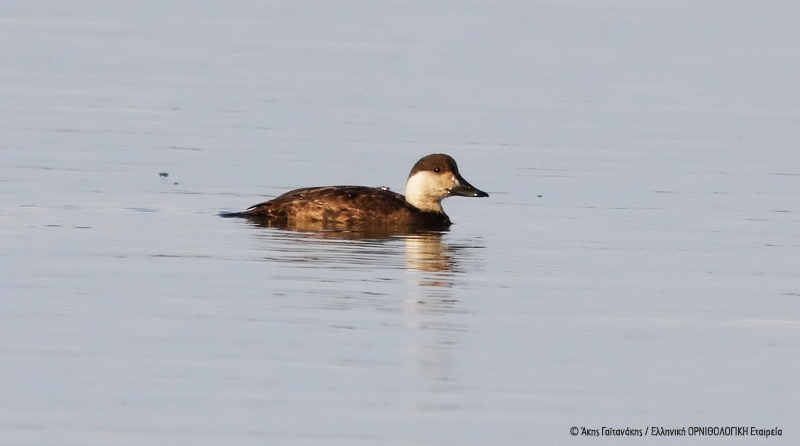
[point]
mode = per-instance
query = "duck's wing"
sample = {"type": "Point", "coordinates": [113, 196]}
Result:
{"type": "Point", "coordinates": [340, 204]}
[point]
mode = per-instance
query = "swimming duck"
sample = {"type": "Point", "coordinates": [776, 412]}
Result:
{"type": "Point", "coordinates": [432, 179]}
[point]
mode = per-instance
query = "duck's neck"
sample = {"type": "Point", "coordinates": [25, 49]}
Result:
{"type": "Point", "coordinates": [421, 192]}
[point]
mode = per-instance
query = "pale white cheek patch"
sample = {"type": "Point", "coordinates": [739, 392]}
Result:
{"type": "Point", "coordinates": [424, 191]}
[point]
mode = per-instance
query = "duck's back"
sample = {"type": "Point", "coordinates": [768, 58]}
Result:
{"type": "Point", "coordinates": [347, 205]}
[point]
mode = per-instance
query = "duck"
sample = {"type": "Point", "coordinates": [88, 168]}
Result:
{"type": "Point", "coordinates": [432, 179]}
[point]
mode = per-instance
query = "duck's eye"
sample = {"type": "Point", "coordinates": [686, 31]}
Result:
{"type": "Point", "coordinates": [437, 170]}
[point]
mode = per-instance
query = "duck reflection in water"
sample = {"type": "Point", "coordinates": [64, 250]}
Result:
{"type": "Point", "coordinates": [424, 295]}
{"type": "Point", "coordinates": [424, 251]}
{"type": "Point", "coordinates": [368, 209]}
{"type": "Point", "coordinates": [429, 308]}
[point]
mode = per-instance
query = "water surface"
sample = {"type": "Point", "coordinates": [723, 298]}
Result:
{"type": "Point", "coordinates": [635, 264]}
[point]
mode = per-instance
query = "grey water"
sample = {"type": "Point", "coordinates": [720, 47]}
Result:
{"type": "Point", "coordinates": [635, 266]}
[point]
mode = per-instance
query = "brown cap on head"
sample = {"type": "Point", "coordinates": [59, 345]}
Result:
{"type": "Point", "coordinates": [437, 163]}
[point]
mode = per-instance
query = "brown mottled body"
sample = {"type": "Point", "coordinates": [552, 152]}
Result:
{"type": "Point", "coordinates": [345, 206]}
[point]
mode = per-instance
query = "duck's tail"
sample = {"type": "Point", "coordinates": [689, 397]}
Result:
{"type": "Point", "coordinates": [234, 214]}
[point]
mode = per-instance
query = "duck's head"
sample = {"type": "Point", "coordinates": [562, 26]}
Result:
{"type": "Point", "coordinates": [434, 178]}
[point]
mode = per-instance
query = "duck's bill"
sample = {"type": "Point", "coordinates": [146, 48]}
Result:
{"type": "Point", "coordinates": [464, 189]}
